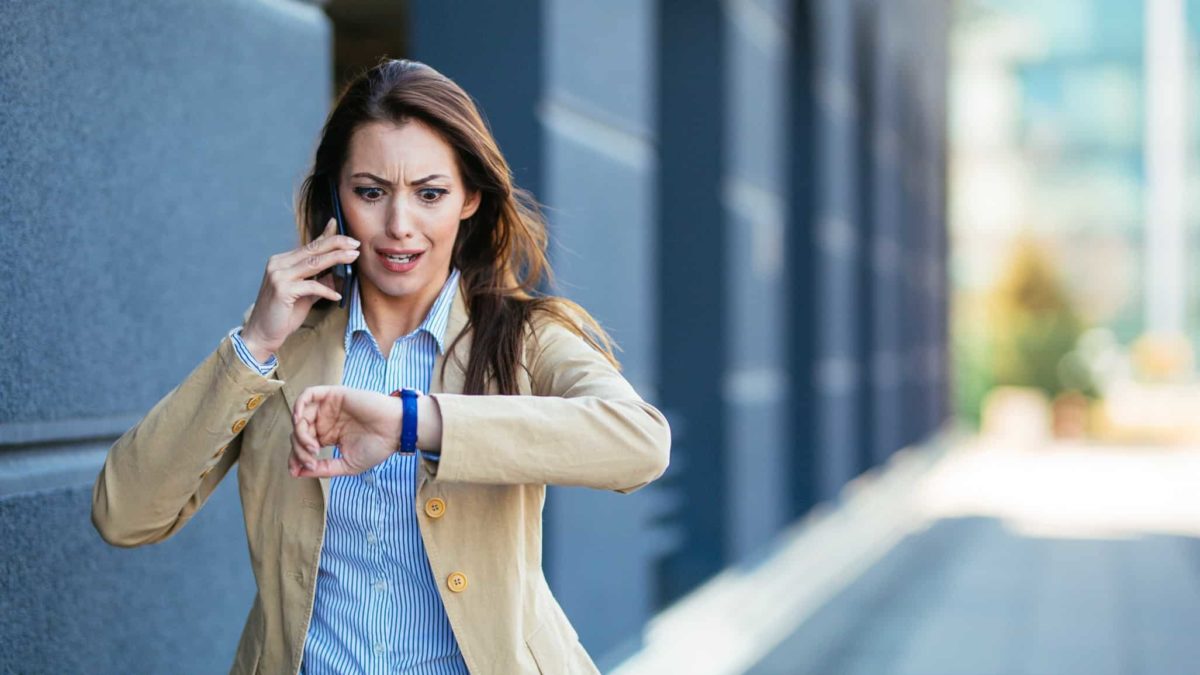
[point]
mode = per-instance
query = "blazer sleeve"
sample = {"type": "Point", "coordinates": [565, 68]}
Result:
{"type": "Point", "coordinates": [160, 472]}
{"type": "Point", "coordinates": [584, 425]}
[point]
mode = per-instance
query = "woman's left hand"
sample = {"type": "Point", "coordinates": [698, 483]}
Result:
{"type": "Point", "coordinates": [365, 424]}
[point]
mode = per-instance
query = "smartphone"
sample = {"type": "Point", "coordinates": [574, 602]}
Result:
{"type": "Point", "coordinates": [342, 271]}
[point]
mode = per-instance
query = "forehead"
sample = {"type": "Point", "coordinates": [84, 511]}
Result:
{"type": "Point", "coordinates": [393, 151]}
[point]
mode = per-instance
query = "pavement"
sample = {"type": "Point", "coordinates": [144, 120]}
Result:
{"type": "Point", "coordinates": [1004, 556]}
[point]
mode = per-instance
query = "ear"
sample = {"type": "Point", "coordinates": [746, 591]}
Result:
{"type": "Point", "coordinates": [471, 205]}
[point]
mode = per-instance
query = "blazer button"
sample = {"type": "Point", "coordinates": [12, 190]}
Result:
{"type": "Point", "coordinates": [206, 472]}
{"type": "Point", "coordinates": [255, 401]}
{"type": "Point", "coordinates": [220, 451]}
{"type": "Point", "coordinates": [435, 508]}
{"type": "Point", "coordinates": [457, 582]}
{"type": "Point", "coordinates": [238, 426]}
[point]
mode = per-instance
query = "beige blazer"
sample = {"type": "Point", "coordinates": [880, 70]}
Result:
{"type": "Point", "coordinates": [576, 421]}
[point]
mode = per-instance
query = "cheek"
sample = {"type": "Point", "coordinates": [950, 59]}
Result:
{"type": "Point", "coordinates": [445, 228]}
{"type": "Point", "coordinates": [361, 220]}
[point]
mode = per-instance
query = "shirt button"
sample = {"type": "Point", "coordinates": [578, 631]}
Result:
{"type": "Point", "coordinates": [238, 426]}
{"type": "Point", "coordinates": [381, 585]}
{"type": "Point", "coordinates": [369, 478]}
{"type": "Point", "coordinates": [457, 582]}
{"type": "Point", "coordinates": [371, 538]}
{"type": "Point", "coordinates": [435, 508]}
{"type": "Point", "coordinates": [380, 648]}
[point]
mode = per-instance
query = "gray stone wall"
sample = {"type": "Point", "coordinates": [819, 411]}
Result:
{"type": "Point", "coordinates": [150, 153]}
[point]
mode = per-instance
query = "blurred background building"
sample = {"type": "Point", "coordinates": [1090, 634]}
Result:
{"type": "Point", "coordinates": [751, 195]}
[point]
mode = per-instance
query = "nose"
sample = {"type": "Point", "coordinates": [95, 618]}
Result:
{"type": "Point", "coordinates": [401, 223]}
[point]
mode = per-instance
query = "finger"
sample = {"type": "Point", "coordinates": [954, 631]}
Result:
{"type": "Point", "coordinates": [303, 415]}
{"type": "Point", "coordinates": [306, 412]}
{"type": "Point", "coordinates": [308, 454]}
{"type": "Point", "coordinates": [313, 287]}
{"type": "Point", "coordinates": [307, 444]}
{"type": "Point", "coordinates": [300, 456]}
{"type": "Point", "coordinates": [327, 468]}
{"type": "Point", "coordinates": [330, 239]}
{"type": "Point", "coordinates": [316, 264]}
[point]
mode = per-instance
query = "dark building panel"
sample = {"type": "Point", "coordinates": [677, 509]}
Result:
{"type": "Point", "coordinates": [693, 313]}
{"type": "Point", "coordinates": [494, 51]}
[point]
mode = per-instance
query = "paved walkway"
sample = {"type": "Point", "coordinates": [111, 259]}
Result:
{"type": "Point", "coordinates": [1068, 560]}
{"type": "Point", "coordinates": [1063, 560]}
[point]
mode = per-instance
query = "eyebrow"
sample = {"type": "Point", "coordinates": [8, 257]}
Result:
{"type": "Point", "coordinates": [419, 181]}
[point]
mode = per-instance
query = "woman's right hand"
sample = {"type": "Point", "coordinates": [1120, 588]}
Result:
{"type": "Point", "coordinates": [290, 288]}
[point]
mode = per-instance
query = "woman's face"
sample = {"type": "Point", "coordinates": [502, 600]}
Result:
{"type": "Point", "coordinates": [403, 197]}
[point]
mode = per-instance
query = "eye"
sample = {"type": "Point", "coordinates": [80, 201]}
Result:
{"type": "Point", "coordinates": [376, 193]}
{"type": "Point", "coordinates": [431, 195]}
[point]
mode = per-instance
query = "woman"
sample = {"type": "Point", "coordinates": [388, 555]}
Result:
{"type": "Point", "coordinates": [374, 551]}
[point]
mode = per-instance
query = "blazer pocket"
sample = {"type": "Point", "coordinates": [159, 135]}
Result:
{"type": "Point", "coordinates": [548, 648]}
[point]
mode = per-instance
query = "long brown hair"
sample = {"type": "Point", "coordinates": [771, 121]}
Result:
{"type": "Point", "coordinates": [500, 250]}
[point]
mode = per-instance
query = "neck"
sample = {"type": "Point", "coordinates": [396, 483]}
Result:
{"type": "Point", "coordinates": [391, 318]}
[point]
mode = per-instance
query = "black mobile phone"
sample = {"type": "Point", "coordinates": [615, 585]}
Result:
{"type": "Point", "coordinates": [342, 271]}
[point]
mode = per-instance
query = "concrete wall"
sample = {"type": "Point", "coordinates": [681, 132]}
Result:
{"type": "Point", "coordinates": [149, 152]}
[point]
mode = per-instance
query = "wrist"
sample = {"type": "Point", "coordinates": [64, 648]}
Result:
{"type": "Point", "coordinates": [261, 353]}
{"type": "Point", "coordinates": [429, 425]}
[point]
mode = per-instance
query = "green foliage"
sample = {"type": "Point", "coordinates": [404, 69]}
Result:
{"type": "Point", "coordinates": [1023, 335]}
{"type": "Point", "coordinates": [973, 377]}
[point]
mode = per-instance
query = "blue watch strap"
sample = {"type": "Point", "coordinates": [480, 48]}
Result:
{"type": "Point", "coordinates": [408, 428]}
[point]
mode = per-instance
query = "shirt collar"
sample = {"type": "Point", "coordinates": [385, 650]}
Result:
{"type": "Point", "coordinates": [434, 323]}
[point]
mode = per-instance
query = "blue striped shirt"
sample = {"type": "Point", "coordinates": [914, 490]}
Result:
{"type": "Point", "coordinates": [377, 607]}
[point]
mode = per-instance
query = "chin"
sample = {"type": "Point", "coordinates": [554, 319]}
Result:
{"type": "Point", "coordinates": [399, 290]}
{"type": "Point", "coordinates": [394, 287]}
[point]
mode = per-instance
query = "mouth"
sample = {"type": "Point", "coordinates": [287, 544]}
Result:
{"type": "Point", "coordinates": [400, 261]}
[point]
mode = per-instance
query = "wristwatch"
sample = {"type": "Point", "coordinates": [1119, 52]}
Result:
{"type": "Point", "coordinates": [408, 429]}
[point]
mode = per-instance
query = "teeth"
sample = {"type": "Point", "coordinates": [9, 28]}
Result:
{"type": "Point", "coordinates": [401, 258]}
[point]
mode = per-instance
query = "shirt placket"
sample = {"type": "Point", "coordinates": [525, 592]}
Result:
{"type": "Point", "coordinates": [383, 590]}
{"type": "Point", "coordinates": [397, 493]}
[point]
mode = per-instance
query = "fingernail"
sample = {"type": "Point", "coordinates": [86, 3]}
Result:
{"type": "Point", "coordinates": [355, 242]}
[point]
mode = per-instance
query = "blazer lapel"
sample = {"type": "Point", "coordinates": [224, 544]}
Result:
{"type": "Point", "coordinates": [316, 356]}
{"type": "Point", "coordinates": [456, 363]}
